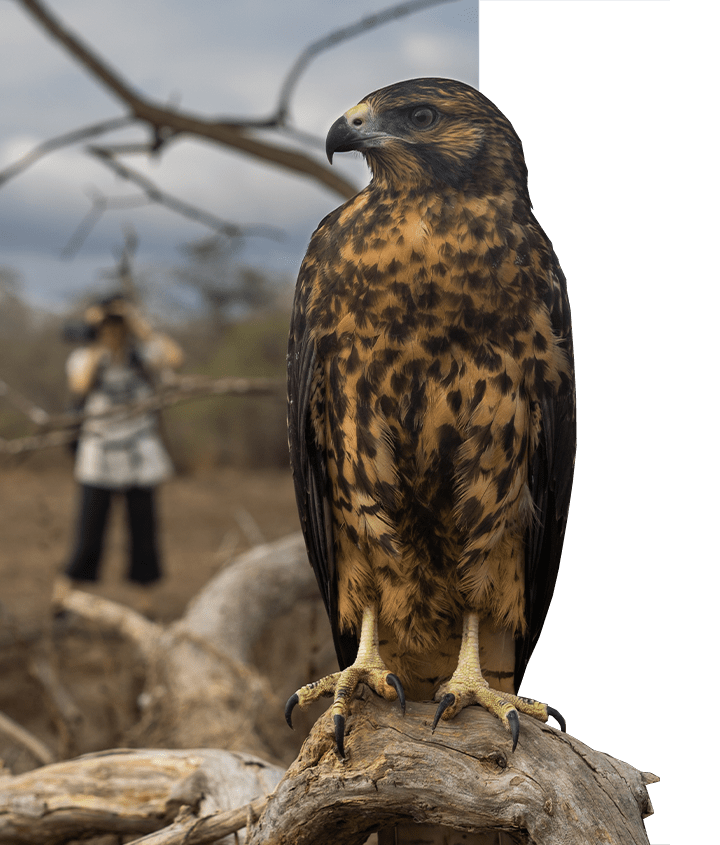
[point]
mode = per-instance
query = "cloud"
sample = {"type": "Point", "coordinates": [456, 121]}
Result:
{"type": "Point", "coordinates": [229, 61]}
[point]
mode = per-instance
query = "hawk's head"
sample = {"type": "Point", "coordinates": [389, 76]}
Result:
{"type": "Point", "coordinates": [425, 131]}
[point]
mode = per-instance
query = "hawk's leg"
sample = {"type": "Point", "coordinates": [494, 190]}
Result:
{"type": "Point", "coordinates": [368, 668]}
{"type": "Point", "coordinates": [467, 686]}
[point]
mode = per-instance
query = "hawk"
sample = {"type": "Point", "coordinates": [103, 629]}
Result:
{"type": "Point", "coordinates": [432, 409]}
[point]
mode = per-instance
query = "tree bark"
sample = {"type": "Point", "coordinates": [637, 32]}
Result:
{"type": "Point", "coordinates": [553, 790]}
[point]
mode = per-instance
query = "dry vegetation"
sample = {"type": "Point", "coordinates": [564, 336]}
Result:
{"type": "Point", "coordinates": [232, 490]}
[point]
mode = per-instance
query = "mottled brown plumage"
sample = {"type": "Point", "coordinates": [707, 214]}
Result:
{"type": "Point", "coordinates": [431, 394]}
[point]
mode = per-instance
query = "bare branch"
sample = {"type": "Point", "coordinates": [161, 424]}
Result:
{"type": "Point", "coordinates": [67, 718]}
{"type": "Point", "coordinates": [553, 789]}
{"type": "Point", "coordinates": [193, 831]}
{"type": "Point", "coordinates": [339, 35]}
{"type": "Point", "coordinates": [142, 790]}
{"type": "Point", "coordinates": [112, 616]}
{"type": "Point", "coordinates": [124, 270]}
{"type": "Point", "coordinates": [22, 737]}
{"type": "Point", "coordinates": [20, 445]}
{"type": "Point", "coordinates": [99, 205]}
{"type": "Point", "coordinates": [167, 122]}
{"type": "Point", "coordinates": [155, 194]}
{"type": "Point", "coordinates": [92, 61]}
{"type": "Point", "coordinates": [22, 403]}
{"type": "Point", "coordinates": [63, 140]}
{"type": "Point", "coordinates": [181, 390]}
{"type": "Point", "coordinates": [184, 388]}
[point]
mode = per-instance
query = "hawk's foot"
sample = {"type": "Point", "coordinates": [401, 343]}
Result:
{"type": "Point", "coordinates": [454, 696]}
{"type": "Point", "coordinates": [467, 686]}
{"type": "Point", "coordinates": [368, 668]}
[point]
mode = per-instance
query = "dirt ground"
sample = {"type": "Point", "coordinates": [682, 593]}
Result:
{"type": "Point", "coordinates": [205, 520]}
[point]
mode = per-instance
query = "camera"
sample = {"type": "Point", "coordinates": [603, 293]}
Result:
{"type": "Point", "coordinates": [78, 331]}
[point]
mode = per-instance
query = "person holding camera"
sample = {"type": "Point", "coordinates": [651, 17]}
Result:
{"type": "Point", "coordinates": [118, 453]}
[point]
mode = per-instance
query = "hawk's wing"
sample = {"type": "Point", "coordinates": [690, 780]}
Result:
{"type": "Point", "coordinates": [306, 396]}
{"type": "Point", "coordinates": [551, 474]}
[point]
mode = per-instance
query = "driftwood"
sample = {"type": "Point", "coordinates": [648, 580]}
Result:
{"type": "Point", "coordinates": [129, 792]}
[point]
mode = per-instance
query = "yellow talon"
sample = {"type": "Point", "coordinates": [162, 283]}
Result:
{"type": "Point", "coordinates": [467, 686]}
{"type": "Point", "coordinates": [368, 668]}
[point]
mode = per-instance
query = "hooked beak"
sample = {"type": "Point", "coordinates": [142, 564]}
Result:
{"type": "Point", "coordinates": [357, 129]}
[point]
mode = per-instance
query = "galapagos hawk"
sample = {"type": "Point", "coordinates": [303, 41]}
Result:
{"type": "Point", "coordinates": [432, 408]}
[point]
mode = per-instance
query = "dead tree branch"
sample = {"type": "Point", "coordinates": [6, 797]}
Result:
{"type": "Point", "coordinates": [167, 123]}
{"type": "Point", "coordinates": [191, 212]}
{"type": "Point", "coordinates": [332, 39]}
{"type": "Point", "coordinates": [219, 675]}
{"type": "Point", "coordinates": [33, 442]}
{"type": "Point", "coordinates": [553, 789]}
{"type": "Point", "coordinates": [111, 616]}
{"type": "Point", "coordinates": [64, 140]}
{"type": "Point", "coordinates": [67, 718]}
{"type": "Point", "coordinates": [99, 204]}
{"type": "Point", "coordinates": [24, 738]}
{"type": "Point", "coordinates": [187, 830]}
{"type": "Point", "coordinates": [32, 411]}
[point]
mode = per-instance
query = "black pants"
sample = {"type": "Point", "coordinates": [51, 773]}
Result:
{"type": "Point", "coordinates": [94, 508]}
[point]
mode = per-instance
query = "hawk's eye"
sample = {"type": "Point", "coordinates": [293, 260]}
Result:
{"type": "Point", "coordinates": [423, 117]}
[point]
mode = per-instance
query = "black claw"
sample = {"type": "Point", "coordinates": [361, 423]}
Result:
{"type": "Point", "coordinates": [514, 720]}
{"type": "Point", "coordinates": [290, 706]}
{"type": "Point", "coordinates": [445, 702]}
{"type": "Point", "coordinates": [340, 735]}
{"type": "Point", "coordinates": [558, 718]}
{"type": "Point", "coordinates": [394, 682]}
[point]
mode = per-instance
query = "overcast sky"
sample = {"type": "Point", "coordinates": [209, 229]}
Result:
{"type": "Point", "coordinates": [219, 59]}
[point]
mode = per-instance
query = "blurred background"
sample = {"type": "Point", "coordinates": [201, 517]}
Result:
{"type": "Point", "coordinates": [72, 229]}
{"type": "Point", "coordinates": [208, 241]}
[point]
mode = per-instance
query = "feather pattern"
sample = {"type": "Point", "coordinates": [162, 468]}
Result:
{"type": "Point", "coordinates": [431, 405]}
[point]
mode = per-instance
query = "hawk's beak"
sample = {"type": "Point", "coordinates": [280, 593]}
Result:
{"type": "Point", "coordinates": [357, 129]}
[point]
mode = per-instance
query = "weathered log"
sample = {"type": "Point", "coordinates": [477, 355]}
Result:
{"type": "Point", "coordinates": [249, 595]}
{"type": "Point", "coordinates": [265, 610]}
{"type": "Point", "coordinates": [207, 677]}
{"type": "Point", "coordinates": [552, 790]}
{"type": "Point", "coordinates": [195, 695]}
{"type": "Point", "coordinates": [219, 676]}
{"type": "Point", "coordinates": [129, 792]}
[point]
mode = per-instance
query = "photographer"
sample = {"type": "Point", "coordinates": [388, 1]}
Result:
{"type": "Point", "coordinates": [118, 453]}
